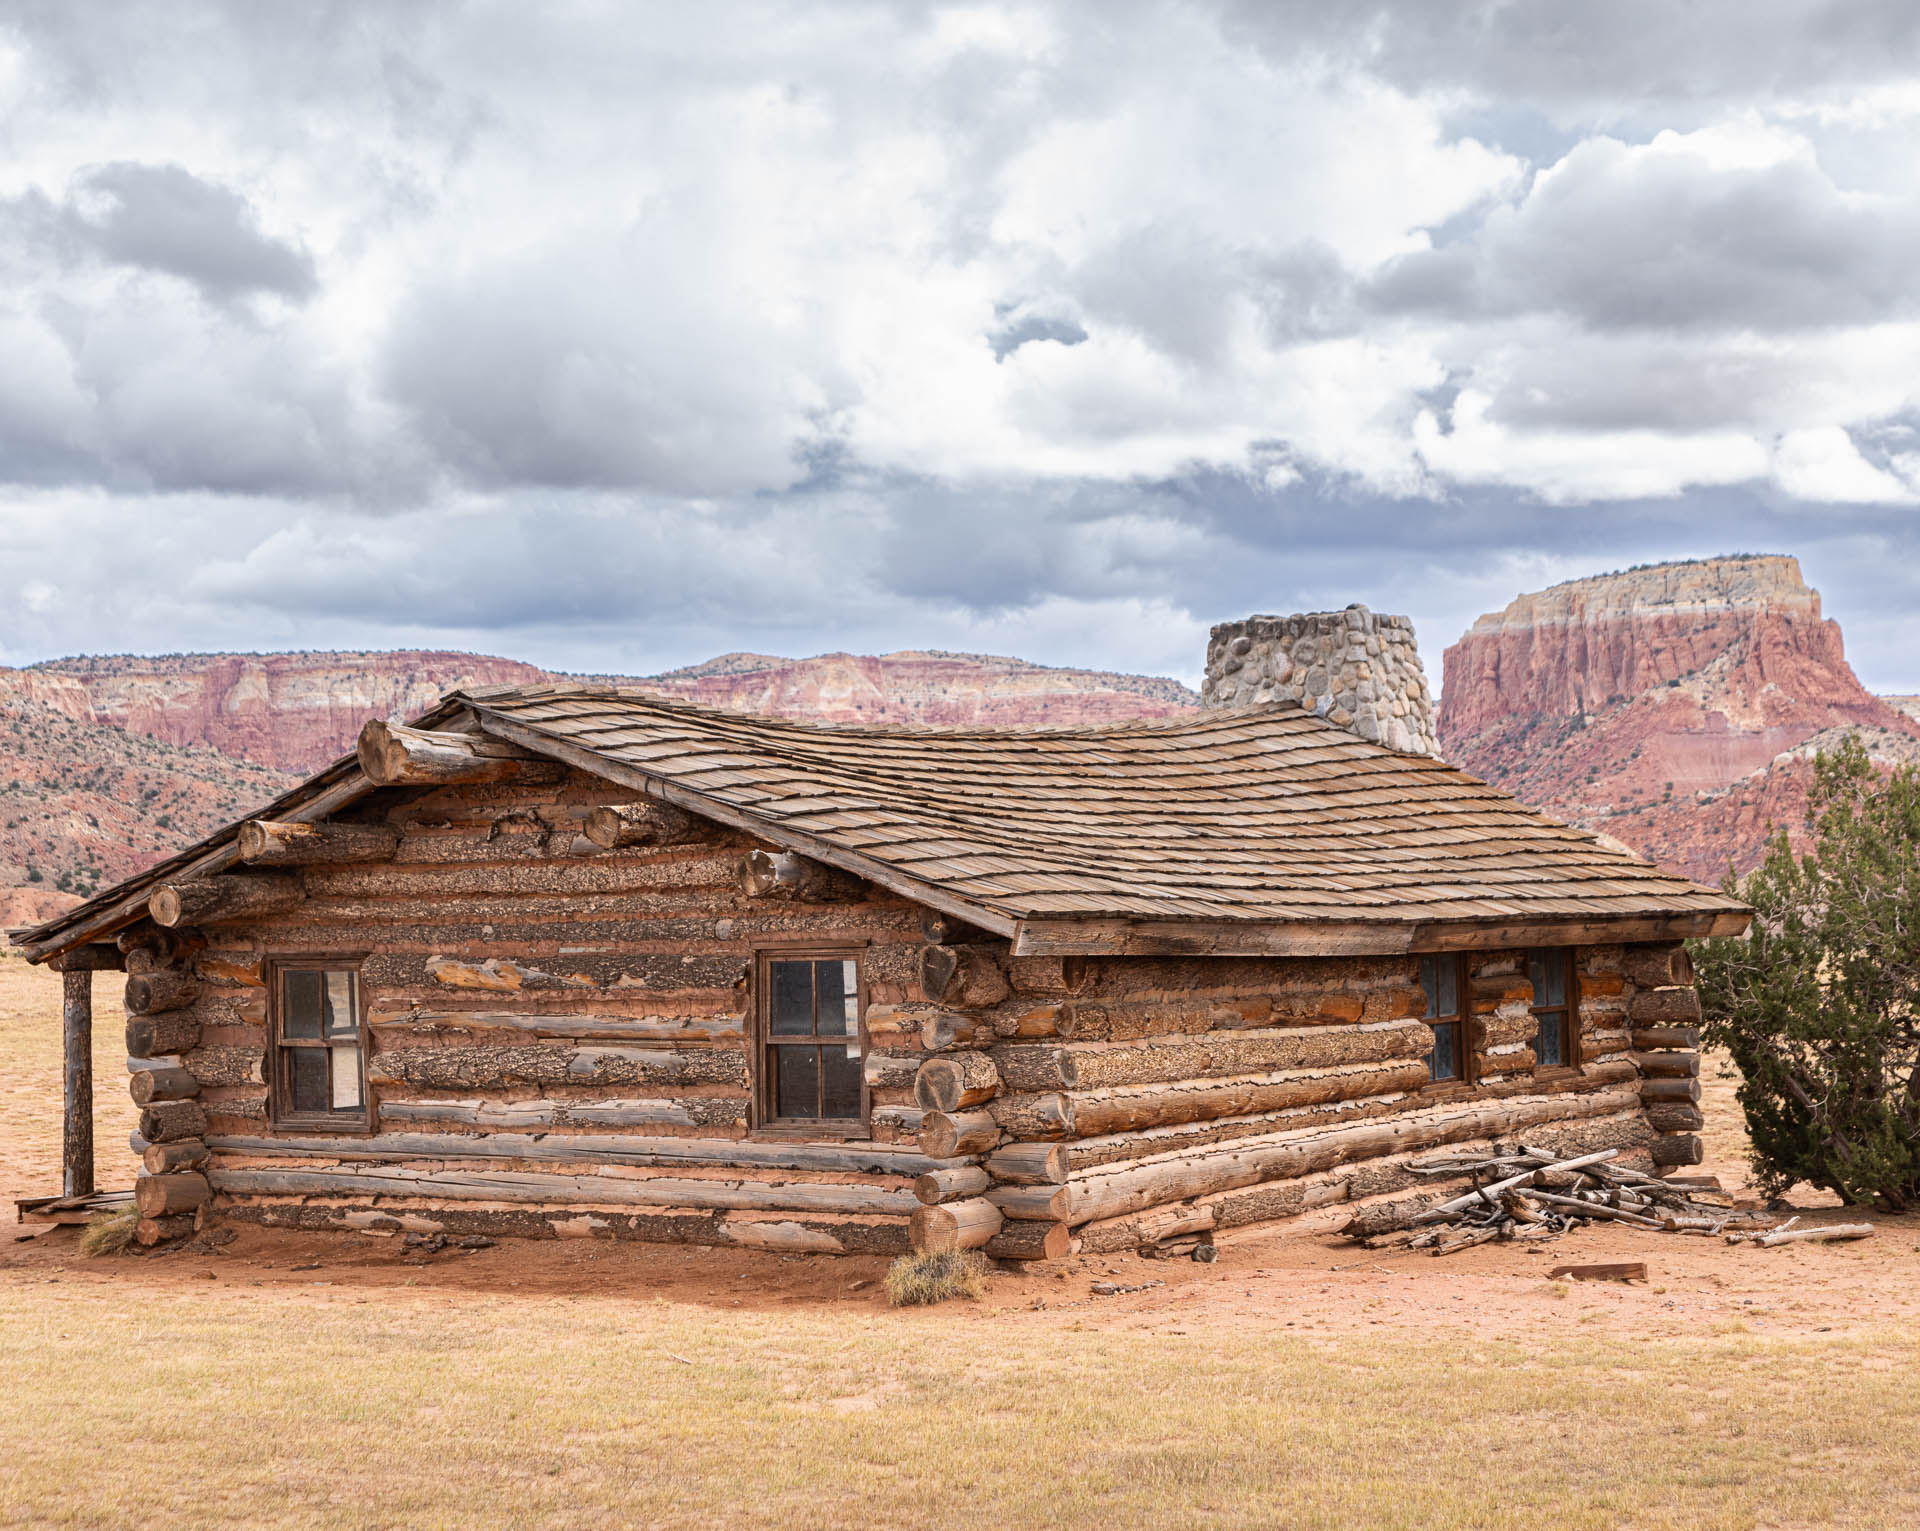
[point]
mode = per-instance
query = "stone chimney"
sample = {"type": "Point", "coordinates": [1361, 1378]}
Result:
{"type": "Point", "coordinates": [1354, 668]}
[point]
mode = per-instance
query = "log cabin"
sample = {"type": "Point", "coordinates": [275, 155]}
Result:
{"type": "Point", "coordinates": [565, 961]}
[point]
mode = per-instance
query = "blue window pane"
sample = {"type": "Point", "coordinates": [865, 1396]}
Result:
{"type": "Point", "coordinates": [1440, 980]}
{"type": "Point", "coordinates": [1443, 1062]}
{"type": "Point", "coordinates": [1548, 971]}
{"type": "Point", "coordinates": [1550, 1046]}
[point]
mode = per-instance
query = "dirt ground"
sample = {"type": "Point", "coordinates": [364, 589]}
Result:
{"type": "Point", "coordinates": [1298, 1277]}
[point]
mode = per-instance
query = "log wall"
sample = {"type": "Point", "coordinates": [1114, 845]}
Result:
{"type": "Point", "coordinates": [559, 1046]}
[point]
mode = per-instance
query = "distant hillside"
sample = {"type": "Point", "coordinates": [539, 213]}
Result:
{"type": "Point", "coordinates": [1674, 707]}
{"type": "Point", "coordinates": [85, 804]}
{"type": "Point", "coordinates": [112, 762]}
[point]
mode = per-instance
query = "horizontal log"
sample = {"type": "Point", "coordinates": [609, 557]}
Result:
{"type": "Point", "coordinates": [1665, 1007]}
{"type": "Point", "coordinates": [1658, 967]}
{"type": "Point", "coordinates": [152, 1231]}
{"type": "Point", "coordinates": [538, 1188]}
{"type": "Point", "coordinates": [967, 976]}
{"type": "Point", "coordinates": [277, 842]}
{"type": "Point", "coordinates": [890, 1071]}
{"type": "Point", "coordinates": [1667, 1065]}
{"type": "Point", "coordinates": [945, 1029]}
{"type": "Point", "coordinates": [1830, 1233]}
{"type": "Point", "coordinates": [492, 1068]}
{"type": "Point", "coordinates": [796, 879]}
{"type": "Point", "coordinates": [1676, 1118]}
{"type": "Point", "coordinates": [954, 1225]}
{"type": "Point", "coordinates": [165, 1195]}
{"type": "Point", "coordinates": [160, 992]}
{"type": "Point", "coordinates": [1137, 1185]}
{"type": "Point", "coordinates": [661, 1111]}
{"type": "Point", "coordinates": [165, 1158]}
{"type": "Point", "coordinates": [946, 1135]}
{"type": "Point", "coordinates": [169, 1121]}
{"type": "Point", "coordinates": [1033, 1117]}
{"type": "Point", "coordinates": [1658, 1038]}
{"type": "Point", "coordinates": [623, 825]}
{"type": "Point", "coordinates": [584, 1028]}
{"type": "Point", "coordinates": [1029, 1164]}
{"type": "Point", "coordinates": [1687, 1090]}
{"type": "Point", "coordinates": [1030, 1241]}
{"type": "Point", "coordinates": [1174, 1222]}
{"type": "Point", "coordinates": [224, 899]}
{"type": "Point", "coordinates": [630, 1150]}
{"type": "Point", "coordinates": [95, 957]}
{"type": "Point", "coordinates": [937, 1186]}
{"type": "Point", "coordinates": [395, 756]}
{"type": "Point", "coordinates": [150, 1085]}
{"type": "Point", "coordinates": [162, 1036]}
{"type": "Point", "coordinates": [1032, 1203]}
{"type": "Point", "coordinates": [1165, 1060]}
{"type": "Point", "coordinates": [955, 1083]}
{"type": "Point", "coordinates": [1677, 1150]}
{"type": "Point", "coordinates": [1131, 1108]}
{"type": "Point", "coordinates": [225, 1065]}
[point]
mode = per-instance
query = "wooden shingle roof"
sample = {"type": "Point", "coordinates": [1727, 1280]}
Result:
{"type": "Point", "coordinates": [1265, 831]}
{"type": "Point", "coordinates": [1260, 830]}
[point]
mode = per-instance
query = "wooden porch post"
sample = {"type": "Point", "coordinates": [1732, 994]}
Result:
{"type": "Point", "coordinates": [76, 1147]}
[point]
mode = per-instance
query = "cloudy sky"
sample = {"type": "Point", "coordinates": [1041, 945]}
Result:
{"type": "Point", "coordinates": [615, 336]}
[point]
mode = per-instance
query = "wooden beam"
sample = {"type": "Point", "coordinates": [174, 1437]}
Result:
{"type": "Point", "coordinates": [76, 1084]}
{"type": "Point", "coordinates": [222, 900]}
{"type": "Point", "coordinates": [954, 1225]}
{"type": "Point", "coordinates": [798, 879]}
{"type": "Point", "coordinates": [284, 842]}
{"type": "Point", "coordinates": [1092, 937]}
{"type": "Point", "coordinates": [157, 993]}
{"type": "Point", "coordinates": [617, 826]}
{"type": "Point", "coordinates": [392, 755]}
{"type": "Point", "coordinates": [96, 957]}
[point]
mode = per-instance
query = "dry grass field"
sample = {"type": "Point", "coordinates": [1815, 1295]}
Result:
{"type": "Point", "coordinates": [301, 1381]}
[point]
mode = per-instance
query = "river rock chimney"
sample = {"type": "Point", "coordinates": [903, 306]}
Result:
{"type": "Point", "coordinates": [1355, 668]}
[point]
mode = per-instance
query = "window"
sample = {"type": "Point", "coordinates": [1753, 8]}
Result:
{"type": "Point", "coordinates": [811, 1056]}
{"type": "Point", "coordinates": [1551, 970]}
{"type": "Point", "coordinates": [1444, 980]}
{"type": "Point", "coordinates": [319, 1047]}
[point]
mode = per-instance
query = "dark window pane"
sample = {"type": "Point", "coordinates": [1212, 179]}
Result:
{"type": "Point", "coordinates": [1444, 1061]}
{"type": "Point", "coordinates": [796, 1081]}
{"type": "Point", "coordinates": [346, 1077]}
{"type": "Point", "coordinates": [1550, 1047]}
{"type": "Point", "coordinates": [338, 1011]}
{"type": "Point", "coordinates": [790, 1005]}
{"type": "Point", "coordinates": [1439, 977]}
{"type": "Point", "coordinates": [306, 1078]}
{"type": "Point", "coordinates": [840, 1083]}
{"type": "Point", "coordinates": [303, 997]}
{"type": "Point", "coordinates": [1548, 970]}
{"type": "Point", "coordinates": [837, 993]}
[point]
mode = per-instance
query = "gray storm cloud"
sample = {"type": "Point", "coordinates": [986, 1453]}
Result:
{"type": "Point", "coordinates": [1062, 327]}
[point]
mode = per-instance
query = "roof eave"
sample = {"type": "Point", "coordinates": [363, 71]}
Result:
{"type": "Point", "coordinates": [1124, 937]}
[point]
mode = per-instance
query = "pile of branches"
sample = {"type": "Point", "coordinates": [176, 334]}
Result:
{"type": "Point", "coordinates": [1531, 1194]}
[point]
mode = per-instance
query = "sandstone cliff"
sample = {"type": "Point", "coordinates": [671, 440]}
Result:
{"type": "Point", "coordinates": [1654, 704]}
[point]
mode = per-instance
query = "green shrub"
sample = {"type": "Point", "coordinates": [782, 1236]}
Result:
{"type": "Point", "coordinates": [1817, 1003]}
{"type": "Point", "coordinates": [919, 1279]}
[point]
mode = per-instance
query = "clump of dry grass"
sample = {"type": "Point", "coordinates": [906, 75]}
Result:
{"type": "Point", "coordinates": [109, 1233]}
{"type": "Point", "coordinates": [917, 1280]}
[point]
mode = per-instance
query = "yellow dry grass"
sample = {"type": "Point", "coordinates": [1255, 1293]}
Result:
{"type": "Point", "coordinates": [279, 1408]}
{"type": "Point", "coordinates": [30, 1082]}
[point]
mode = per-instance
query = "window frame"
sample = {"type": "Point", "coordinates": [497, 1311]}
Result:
{"type": "Point", "coordinates": [1469, 1055]}
{"type": "Point", "coordinates": [281, 1117]}
{"type": "Point", "coordinates": [761, 1120]}
{"type": "Point", "coordinates": [1569, 1011]}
